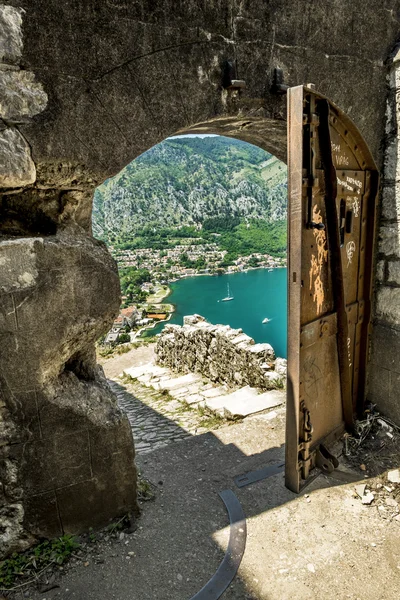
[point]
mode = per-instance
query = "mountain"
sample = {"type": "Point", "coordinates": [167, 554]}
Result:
{"type": "Point", "coordinates": [183, 181]}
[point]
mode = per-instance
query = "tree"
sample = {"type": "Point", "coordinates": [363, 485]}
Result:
{"type": "Point", "coordinates": [124, 337]}
{"type": "Point", "coordinates": [253, 261]}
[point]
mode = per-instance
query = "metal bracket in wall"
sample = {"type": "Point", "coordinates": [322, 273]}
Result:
{"type": "Point", "coordinates": [278, 86]}
{"type": "Point", "coordinates": [229, 566]}
{"type": "Point", "coordinates": [229, 77]}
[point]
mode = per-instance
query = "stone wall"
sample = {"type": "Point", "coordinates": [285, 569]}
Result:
{"type": "Point", "coordinates": [384, 379]}
{"type": "Point", "coordinates": [223, 354]}
{"type": "Point", "coordinates": [66, 451]}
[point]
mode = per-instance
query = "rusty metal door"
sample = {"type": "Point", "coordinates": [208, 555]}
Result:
{"type": "Point", "coordinates": [333, 184]}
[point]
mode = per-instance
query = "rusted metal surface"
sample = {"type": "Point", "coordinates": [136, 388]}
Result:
{"type": "Point", "coordinates": [332, 182]}
{"type": "Point", "coordinates": [229, 566]}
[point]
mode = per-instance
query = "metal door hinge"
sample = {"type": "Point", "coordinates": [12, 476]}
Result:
{"type": "Point", "coordinates": [324, 460]}
{"type": "Point", "coordinates": [318, 457]}
{"type": "Point", "coordinates": [304, 463]}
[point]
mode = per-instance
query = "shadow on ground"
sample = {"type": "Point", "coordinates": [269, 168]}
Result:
{"type": "Point", "coordinates": [296, 545]}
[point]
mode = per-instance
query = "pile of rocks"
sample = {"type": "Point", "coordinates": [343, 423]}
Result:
{"type": "Point", "coordinates": [222, 354]}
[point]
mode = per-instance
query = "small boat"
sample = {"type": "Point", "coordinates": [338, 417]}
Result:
{"type": "Point", "coordinates": [266, 320]}
{"type": "Point", "coordinates": [228, 297]}
{"type": "Point", "coordinates": [270, 270]}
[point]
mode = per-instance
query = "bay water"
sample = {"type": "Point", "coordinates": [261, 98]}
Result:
{"type": "Point", "coordinates": [257, 294]}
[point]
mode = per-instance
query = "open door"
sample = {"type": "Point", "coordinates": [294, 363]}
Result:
{"type": "Point", "coordinates": [333, 183]}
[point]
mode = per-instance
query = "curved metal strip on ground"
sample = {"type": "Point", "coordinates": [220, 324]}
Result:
{"type": "Point", "coordinates": [228, 568]}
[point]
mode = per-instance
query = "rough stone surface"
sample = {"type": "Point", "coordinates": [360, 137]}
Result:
{"type": "Point", "coordinates": [388, 304]}
{"type": "Point", "coordinates": [102, 78]}
{"type": "Point", "coordinates": [20, 95]}
{"type": "Point", "coordinates": [65, 445]}
{"type": "Point", "coordinates": [384, 377]}
{"type": "Point", "coordinates": [385, 365]}
{"type": "Point", "coordinates": [394, 272]}
{"type": "Point", "coordinates": [223, 354]}
{"type": "Point", "coordinates": [17, 168]}
{"type": "Point", "coordinates": [10, 34]}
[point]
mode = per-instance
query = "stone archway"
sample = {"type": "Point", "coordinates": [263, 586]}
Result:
{"type": "Point", "coordinates": [86, 87]}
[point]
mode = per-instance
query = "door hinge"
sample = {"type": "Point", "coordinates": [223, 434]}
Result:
{"type": "Point", "coordinates": [318, 457]}
{"type": "Point", "coordinates": [304, 463]}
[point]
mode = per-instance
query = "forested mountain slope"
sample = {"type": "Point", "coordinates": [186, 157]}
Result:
{"type": "Point", "coordinates": [184, 181]}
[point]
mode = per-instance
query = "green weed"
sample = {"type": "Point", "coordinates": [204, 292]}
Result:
{"type": "Point", "coordinates": [28, 564]}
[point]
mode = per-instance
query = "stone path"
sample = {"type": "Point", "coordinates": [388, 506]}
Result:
{"type": "Point", "coordinates": [158, 419]}
{"type": "Point", "coordinates": [164, 408]}
{"type": "Point", "coordinates": [196, 390]}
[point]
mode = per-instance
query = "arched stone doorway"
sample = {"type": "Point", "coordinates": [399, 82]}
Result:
{"type": "Point", "coordinates": [96, 86]}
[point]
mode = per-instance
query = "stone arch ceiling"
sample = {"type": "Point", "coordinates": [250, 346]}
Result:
{"type": "Point", "coordinates": [123, 75]}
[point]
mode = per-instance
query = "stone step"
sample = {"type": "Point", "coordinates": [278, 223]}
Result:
{"type": "Point", "coordinates": [193, 399]}
{"type": "Point", "coordinates": [244, 402]}
{"type": "Point", "coordinates": [249, 404]}
{"type": "Point", "coordinates": [178, 382]}
{"type": "Point", "coordinates": [213, 392]}
{"type": "Point", "coordinates": [180, 393]}
{"type": "Point", "coordinates": [147, 369]}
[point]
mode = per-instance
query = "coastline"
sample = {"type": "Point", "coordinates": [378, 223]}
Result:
{"type": "Point", "coordinates": [168, 292]}
{"type": "Point", "coordinates": [263, 291]}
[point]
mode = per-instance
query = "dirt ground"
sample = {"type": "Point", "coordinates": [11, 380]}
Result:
{"type": "Point", "coordinates": [323, 543]}
{"type": "Point", "coordinates": [113, 367]}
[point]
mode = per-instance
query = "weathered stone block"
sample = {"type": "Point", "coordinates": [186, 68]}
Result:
{"type": "Point", "coordinates": [380, 271]}
{"type": "Point", "coordinates": [391, 201]}
{"type": "Point", "coordinates": [386, 347]}
{"type": "Point", "coordinates": [389, 240]}
{"type": "Point", "coordinates": [379, 387]}
{"type": "Point", "coordinates": [59, 294]}
{"type": "Point", "coordinates": [10, 34]}
{"type": "Point", "coordinates": [394, 273]}
{"type": "Point", "coordinates": [45, 465]}
{"type": "Point", "coordinates": [388, 304]}
{"type": "Point", "coordinates": [392, 164]}
{"type": "Point", "coordinates": [16, 165]}
{"type": "Point", "coordinates": [21, 96]}
{"type": "Point", "coordinates": [41, 515]}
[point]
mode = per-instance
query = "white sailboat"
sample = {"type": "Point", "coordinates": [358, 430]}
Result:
{"type": "Point", "coordinates": [228, 297]}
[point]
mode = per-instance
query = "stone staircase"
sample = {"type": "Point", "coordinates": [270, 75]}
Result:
{"type": "Point", "coordinates": [196, 390]}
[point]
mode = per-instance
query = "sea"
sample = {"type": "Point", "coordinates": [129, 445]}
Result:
{"type": "Point", "coordinates": [257, 294]}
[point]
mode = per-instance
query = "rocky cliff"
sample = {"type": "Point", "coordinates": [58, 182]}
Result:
{"type": "Point", "coordinates": [184, 181]}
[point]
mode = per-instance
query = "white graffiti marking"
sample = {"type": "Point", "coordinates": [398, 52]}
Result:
{"type": "Point", "coordinates": [350, 249]}
{"type": "Point", "coordinates": [354, 181]}
{"type": "Point", "coordinates": [348, 351]}
{"type": "Point", "coordinates": [356, 207]}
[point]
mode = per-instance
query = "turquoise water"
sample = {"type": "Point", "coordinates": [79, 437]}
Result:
{"type": "Point", "coordinates": [257, 294]}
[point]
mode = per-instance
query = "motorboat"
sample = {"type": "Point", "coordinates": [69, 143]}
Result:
{"type": "Point", "coordinates": [266, 320]}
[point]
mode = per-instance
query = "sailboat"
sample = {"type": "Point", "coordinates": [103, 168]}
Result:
{"type": "Point", "coordinates": [228, 297]}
